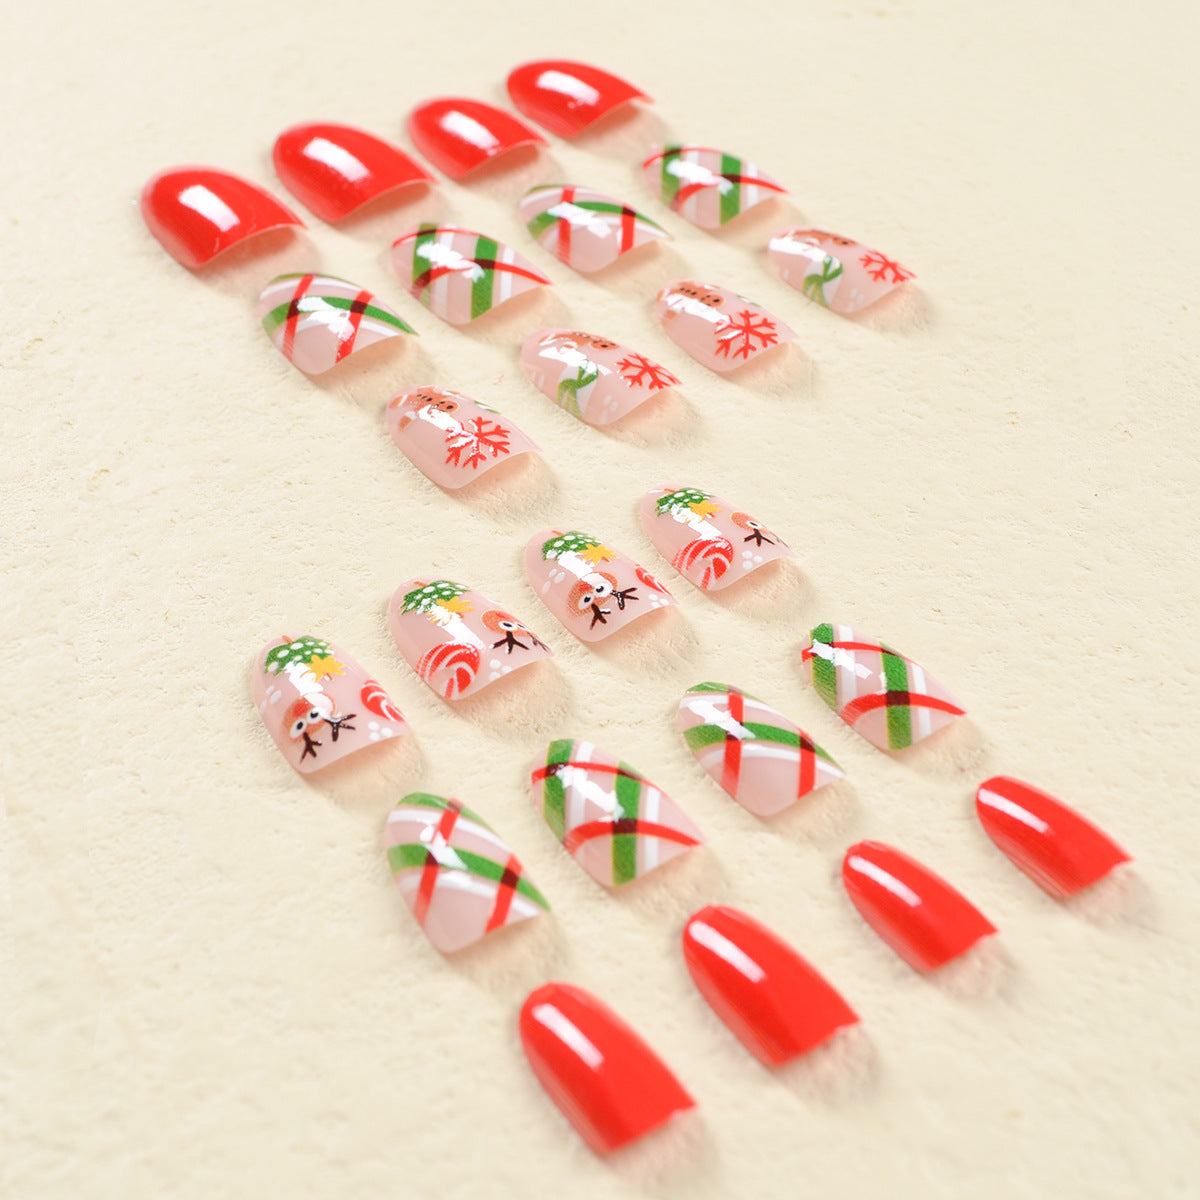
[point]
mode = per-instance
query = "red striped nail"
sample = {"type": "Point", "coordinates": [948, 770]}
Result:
{"type": "Point", "coordinates": [586, 229]}
{"type": "Point", "coordinates": [608, 1083]}
{"type": "Point", "coordinates": [200, 212]}
{"type": "Point", "coordinates": [708, 187]}
{"type": "Point", "coordinates": [1061, 851]}
{"type": "Point", "coordinates": [458, 135]}
{"type": "Point", "coordinates": [777, 1004]}
{"type": "Point", "coordinates": [926, 921]}
{"type": "Point", "coordinates": [566, 97]}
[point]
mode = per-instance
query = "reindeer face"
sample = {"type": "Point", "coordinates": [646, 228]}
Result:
{"type": "Point", "coordinates": [305, 714]}
{"type": "Point", "coordinates": [591, 590]}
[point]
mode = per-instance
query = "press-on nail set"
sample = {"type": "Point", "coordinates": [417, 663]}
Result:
{"type": "Point", "coordinates": [457, 874]}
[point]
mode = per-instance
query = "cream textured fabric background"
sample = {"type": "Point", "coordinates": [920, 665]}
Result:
{"type": "Point", "coordinates": [213, 988]}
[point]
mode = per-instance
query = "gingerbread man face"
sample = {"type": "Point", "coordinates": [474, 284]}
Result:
{"type": "Point", "coordinates": [705, 295]}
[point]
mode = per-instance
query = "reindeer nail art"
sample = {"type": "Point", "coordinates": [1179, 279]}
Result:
{"type": "Point", "coordinates": [584, 228]}
{"type": "Point", "coordinates": [593, 378]}
{"type": "Point", "coordinates": [450, 438]}
{"type": "Point", "coordinates": [456, 639]}
{"type": "Point", "coordinates": [708, 187]}
{"type": "Point", "coordinates": [318, 704]}
{"type": "Point", "coordinates": [708, 541]}
{"type": "Point", "coordinates": [591, 588]}
{"type": "Point", "coordinates": [717, 327]}
{"type": "Point", "coordinates": [460, 275]}
{"type": "Point", "coordinates": [316, 321]}
{"type": "Point", "coordinates": [837, 272]}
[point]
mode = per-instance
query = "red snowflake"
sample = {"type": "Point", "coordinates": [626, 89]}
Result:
{"type": "Point", "coordinates": [470, 444]}
{"type": "Point", "coordinates": [737, 337]}
{"type": "Point", "coordinates": [878, 266]}
{"type": "Point", "coordinates": [639, 371]}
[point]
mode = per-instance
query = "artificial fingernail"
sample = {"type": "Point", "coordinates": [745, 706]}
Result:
{"type": "Point", "coordinates": [776, 1004]}
{"type": "Point", "coordinates": [837, 272]}
{"type": "Point", "coordinates": [458, 135]}
{"type": "Point", "coordinates": [460, 275]}
{"type": "Point", "coordinates": [707, 187]}
{"type": "Point", "coordinates": [566, 97]}
{"type": "Point", "coordinates": [591, 588]}
{"type": "Point", "coordinates": [460, 878]}
{"type": "Point", "coordinates": [200, 212]}
{"type": "Point", "coordinates": [595, 379]}
{"type": "Point", "coordinates": [335, 169]}
{"type": "Point", "coordinates": [918, 914]}
{"type": "Point", "coordinates": [456, 639]}
{"type": "Point", "coordinates": [585, 229]}
{"type": "Point", "coordinates": [316, 321]}
{"type": "Point", "coordinates": [1060, 850]}
{"type": "Point", "coordinates": [717, 327]}
{"type": "Point", "coordinates": [763, 760]}
{"type": "Point", "coordinates": [450, 438]}
{"type": "Point", "coordinates": [879, 693]}
{"type": "Point", "coordinates": [318, 704]}
{"type": "Point", "coordinates": [612, 820]}
{"type": "Point", "coordinates": [608, 1083]}
{"type": "Point", "coordinates": [708, 541]}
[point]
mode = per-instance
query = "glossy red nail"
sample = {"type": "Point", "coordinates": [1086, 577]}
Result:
{"type": "Point", "coordinates": [926, 921]}
{"type": "Point", "coordinates": [566, 97]}
{"type": "Point", "coordinates": [609, 1084]}
{"type": "Point", "coordinates": [458, 135]}
{"type": "Point", "coordinates": [200, 212]}
{"type": "Point", "coordinates": [760, 987]}
{"type": "Point", "coordinates": [1061, 851]}
{"type": "Point", "coordinates": [335, 169]}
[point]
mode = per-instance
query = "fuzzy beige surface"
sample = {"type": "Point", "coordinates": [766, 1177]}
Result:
{"type": "Point", "coordinates": [212, 987]}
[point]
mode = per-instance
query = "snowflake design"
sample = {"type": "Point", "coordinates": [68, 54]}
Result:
{"type": "Point", "coordinates": [639, 371]}
{"type": "Point", "coordinates": [737, 336]}
{"type": "Point", "coordinates": [471, 443]}
{"type": "Point", "coordinates": [879, 266]}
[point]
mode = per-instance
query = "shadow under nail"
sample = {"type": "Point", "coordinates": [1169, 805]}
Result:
{"type": "Point", "coordinates": [984, 972]}
{"type": "Point", "coordinates": [776, 590]}
{"type": "Point", "coordinates": [826, 817]}
{"type": "Point", "coordinates": [676, 889]}
{"type": "Point", "coordinates": [906, 310]}
{"type": "Point", "coordinates": [373, 777]}
{"type": "Point", "coordinates": [1120, 898]}
{"type": "Point", "coordinates": [516, 958]}
{"type": "Point", "coordinates": [845, 1068]}
{"type": "Point", "coordinates": [516, 492]}
{"type": "Point", "coordinates": [535, 699]}
{"type": "Point", "coordinates": [955, 749]}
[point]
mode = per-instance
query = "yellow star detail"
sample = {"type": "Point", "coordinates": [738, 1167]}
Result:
{"type": "Point", "coordinates": [596, 554]}
{"type": "Point", "coordinates": [705, 508]}
{"type": "Point", "coordinates": [324, 668]}
{"type": "Point", "coordinates": [455, 605]}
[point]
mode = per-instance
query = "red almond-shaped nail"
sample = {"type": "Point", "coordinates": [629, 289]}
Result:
{"type": "Point", "coordinates": [1061, 851]}
{"type": "Point", "coordinates": [200, 212]}
{"type": "Point", "coordinates": [566, 97]}
{"type": "Point", "coordinates": [926, 921]}
{"type": "Point", "coordinates": [335, 169]}
{"type": "Point", "coordinates": [458, 135]}
{"type": "Point", "coordinates": [609, 1084]}
{"type": "Point", "coordinates": [760, 987]}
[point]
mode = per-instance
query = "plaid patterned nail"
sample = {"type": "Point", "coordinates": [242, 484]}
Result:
{"type": "Point", "coordinates": [458, 876]}
{"type": "Point", "coordinates": [707, 187]}
{"type": "Point", "coordinates": [889, 699]}
{"type": "Point", "coordinates": [584, 228]}
{"type": "Point", "coordinates": [612, 820]}
{"type": "Point", "coordinates": [763, 760]}
{"type": "Point", "coordinates": [460, 275]}
{"type": "Point", "coordinates": [315, 321]}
